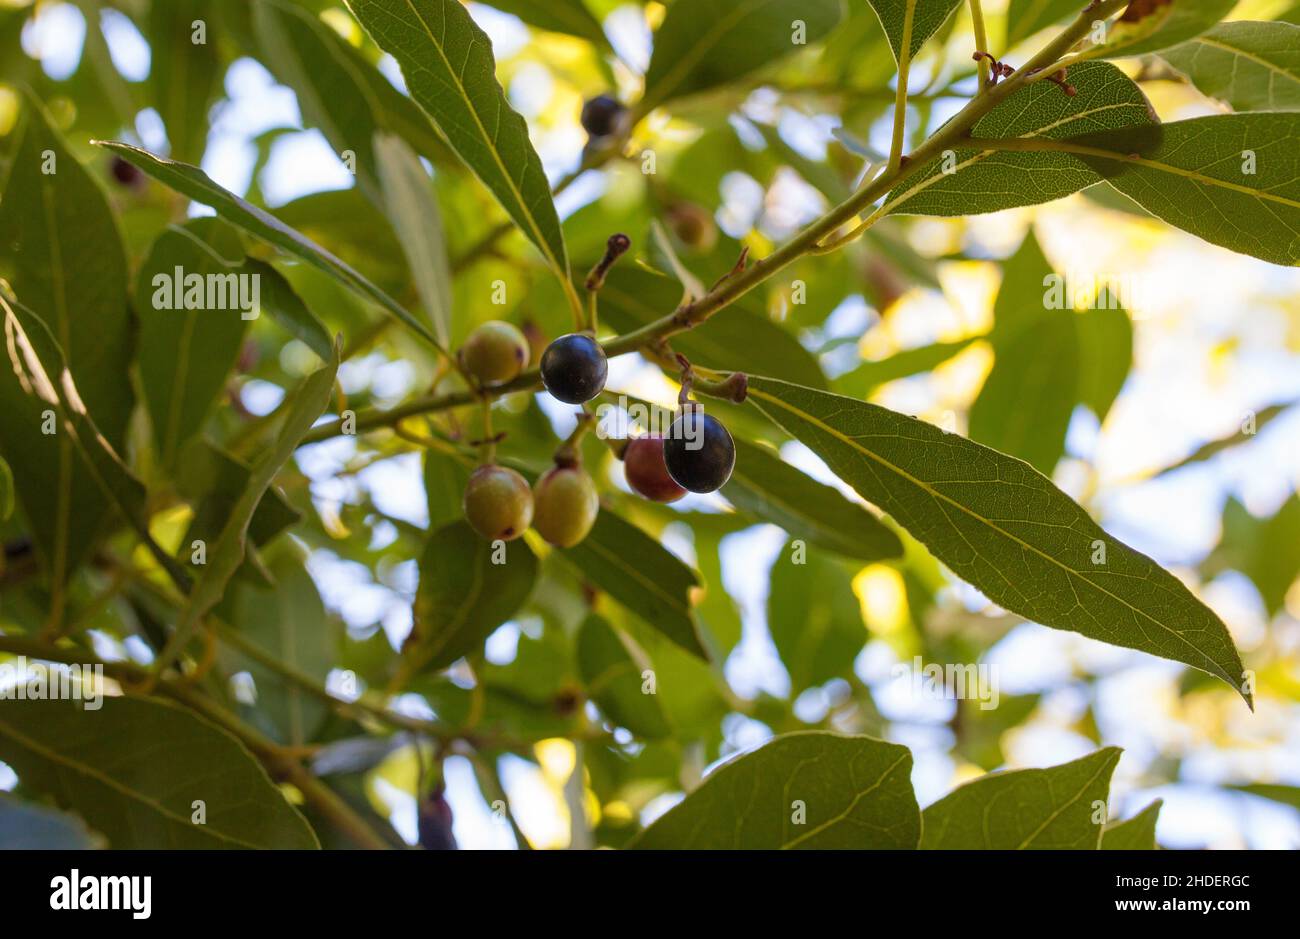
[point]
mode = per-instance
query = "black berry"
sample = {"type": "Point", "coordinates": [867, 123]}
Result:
{"type": "Point", "coordinates": [699, 451]}
{"type": "Point", "coordinates": [603, 116]}
{"type": "Point", "coordinates": [574, 368]}
{"type": "Point", "coordinates": [647, 475]}
{"type": "Point", "coordinates": [126, 174]}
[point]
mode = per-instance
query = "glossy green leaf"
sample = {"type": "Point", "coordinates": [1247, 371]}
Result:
{"type": "Point", "coordinates": [193, 182]}
{"type": "Point", "coordinates": [464, 595]}
{"type": "Point", "coordinates": [1250, 66]}
{"type": "Point", "coordinates": [1036, 809]}
{"type": "Point", "coordinates": [1105, 351]}
{"type": "Point", "coordinates": [184, 72]}
{"type": "Point", "coordinates": [1151, 26]}
{"type": "Point", "coordinates": [445, 478]}
{"type": "Point", "coordinates": [707, 43]}
{"type": "Point", "coordinates": [736, 338]}
{"type": "Point", "coordinates": [814, 617]}
{"type": "Point", "coordinates": [1232, 179]}
{"type": "Point", "coordinates": [614, 682]}
{"type": "Point", "coordinates": [451, 73]}
{"type": "Point", "coordinates": [134, 769]}
{"type": "Point", "coordinates": [410, 205]}
{"type": "Point", "coordinates": [773, 490]}
{"type": "Point", "coordinates": [61, 252]}
{"type": "Point", "coordinates": [910, 23]}
{"type": "Point", "coordinates": [1134, 834]}
{"type": "Point", "coordinates": [1004, 528]}
{"type": "Point", "coordinates": [1264, 549]}
{"type": "Point", "coordinates": [25, 826]}
{"type": "Point", "coordinates": [188, 299]}
{"type": "Point", "coordinates": [802, 790]}
{"type": "Point", "coordinates": [226, 554]}
{"type": "Point", "coordinates": [641, 574]}
{"type": "Point", "coordinates": [971, 182]}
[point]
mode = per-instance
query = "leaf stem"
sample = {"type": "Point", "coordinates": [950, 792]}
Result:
{"type": "Point", "coordinates": [900, 99]}
{"type": "Point", "coordinates": [981, 42]}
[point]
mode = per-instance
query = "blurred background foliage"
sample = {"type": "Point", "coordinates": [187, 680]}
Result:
{"type": "Point", "coordinates": [1148, 434]}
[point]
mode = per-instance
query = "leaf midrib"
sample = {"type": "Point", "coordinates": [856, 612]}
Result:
{"type": "Point", "coordinates": [543, 243]}
{"type": "Point", "coordinates": [935, 494]}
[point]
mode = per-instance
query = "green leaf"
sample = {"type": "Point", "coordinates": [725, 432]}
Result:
{"type": "Point", "coordinates": [1023, 809]}
{"type": "Point", "coordinates": [184, 74]}
{"type": "Point", "coordinates": [558, 16]}
{"type": "Point", "coordinates": [413, 211]}
{"type": "Point", "coordinates": [1105, 351]}
{"type": "Point", "coordinates": [1026, 17]}
{"type": "Point", "coordinates": [1243, 434]}
{"type": "Point", "coordinates": [193, 182]}
{"type": "Point", "coordinates": [1250, 66]}
{"type": "Point", "coordinates": [288, 622]}
{"type": "Point", "coordinates": [814, 618]}
{"type": "Point", "coordinates": [1004, 528]}
{"type": "Point", "coordinates": [134, 768]}
{"type": "Point", "coordinates": [870, 375]}
{"type": "Point", "coordinates": [910, 23]}
{"type": "Point", "coordinates": [187, 349]}
{"type": "Point", "coordinates": [736, 338]}
{"type": "Point", "coordinates": [992, 180]}
{"type": "Point", "coordinates": [613, 680]}
{"type": "Point", "coordinates": [451, 73]}
{"type": "Point", "coordinates": [641, 574]}
{"type": "Point", "coordinates": [1232, 179]}
{"type": "Point", "coordinates": [306, 55]}
{"type": "Point", "coordinates": [707, 43]}
{"type": "Point", "coordinates": [1286, 795]}
{"type": "Point", "coordinates": [1151, 26]}
{"type": "Point", "coordinates": [61, 251]}
{"type": "Point", "coordinates": [445, 478]}
{"type": "Point", "coordinates": [766, 486]}
{"type": "Point", "coordinates": [1135, 834]}
{"type": "Point", "coordinates": [802, 790]}
{"type": "Point", "coordinates": [1025, 406]}
{"type": "Point", "coordinates": [463, 596]}
{"type": "Point", "coordinates": [226, 555]}
{"type": "Point", "coordinates": [1262, 549]}
{"type": "Point", "coordinates": [282, 303]}
{"type": "Point", "coordinates": [28, 827]}
{"type": "Point", "coordinates": [212, 481]}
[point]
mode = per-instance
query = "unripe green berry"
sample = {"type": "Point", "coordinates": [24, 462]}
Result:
{"type": "Point", "coordinates": [498, 503]}
{"type": "Point", "coordinates": [567, 505]}
{"type": "Point", "coordinates": [495, 353]}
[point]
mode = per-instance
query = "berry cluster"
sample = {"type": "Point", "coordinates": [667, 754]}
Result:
{"type": "Point", "coordinates": [696, 455]}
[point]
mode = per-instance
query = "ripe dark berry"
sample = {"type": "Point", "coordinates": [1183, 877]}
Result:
{"type": "Point", "coordinates": [699, 451]}
{"type": "Point", "coordinates": [647, 474]}
{"type": "Point", "coordinates": [574, 368]}
{"type": "Point", "coordinates": [127, 174]}
{"type": "Point", "coordinates": [603, 116]}
{"type": "Point", "coordinates": [498, 503]}
{"type": "Point", "coordinates": [495, 353]}
{"type": "Point", "coordinates": [566, 505]}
